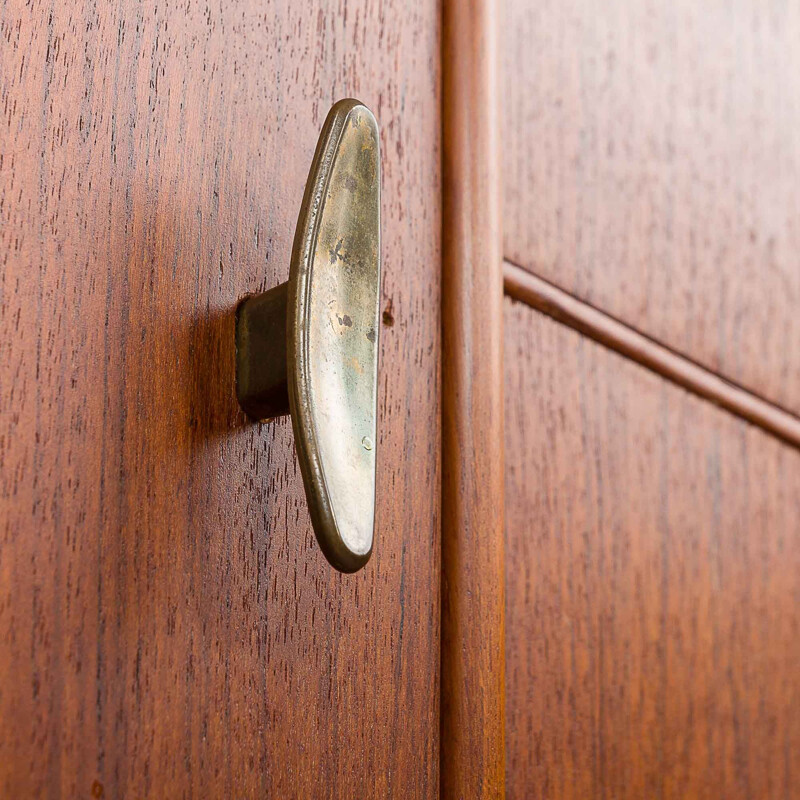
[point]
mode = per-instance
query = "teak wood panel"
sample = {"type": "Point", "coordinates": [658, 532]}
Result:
{"type": "Point", "coordinates": [653, 582]}
{"type": "Point", "coordinates": [652, 168]}
{"type": "Point", "coordinates": [168, 625]}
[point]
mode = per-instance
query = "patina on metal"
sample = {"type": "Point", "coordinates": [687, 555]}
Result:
{"type": "Point", "coordinates": [310, 347]}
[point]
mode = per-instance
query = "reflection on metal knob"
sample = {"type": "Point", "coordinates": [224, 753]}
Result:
{"type": "Point", "coordinates": [309, 347]}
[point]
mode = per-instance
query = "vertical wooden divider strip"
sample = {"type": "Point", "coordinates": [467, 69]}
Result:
{"type": "Point", "coordinates": [473, 635]}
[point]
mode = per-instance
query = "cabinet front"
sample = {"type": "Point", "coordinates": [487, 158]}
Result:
{"type": "Point", "coordinates": [169, 624]}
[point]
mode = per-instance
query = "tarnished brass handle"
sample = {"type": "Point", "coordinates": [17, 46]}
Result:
{"type": "Point", "coordinates": [309, 347]}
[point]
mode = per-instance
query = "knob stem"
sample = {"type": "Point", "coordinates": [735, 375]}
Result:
{"type": "Point", "coordinates": [261, 382]}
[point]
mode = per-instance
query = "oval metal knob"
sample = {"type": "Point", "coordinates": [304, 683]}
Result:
{"type": "Point", "coordinates": [309, 347]}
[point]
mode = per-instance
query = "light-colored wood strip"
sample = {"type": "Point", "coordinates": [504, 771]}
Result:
{"type": "Point", "coordinates": [562, 306]}
{"type": "Point", "coordinates": [473, 635]}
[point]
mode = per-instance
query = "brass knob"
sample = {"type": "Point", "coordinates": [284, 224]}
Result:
{"type": "Point", "coordinates": [309, 347]}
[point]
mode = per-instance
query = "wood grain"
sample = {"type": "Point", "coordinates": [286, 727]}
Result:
{"type": "Point", "coordinates": [652, 168]}
{"type": "Point", "coordinates": [169, 627]}
{"type": "Point", "coordinates": [472, 730]}
{"type": "Point", "coordinates": [550, 300]}
{"type": "Point", "coordinates": [653, 563]}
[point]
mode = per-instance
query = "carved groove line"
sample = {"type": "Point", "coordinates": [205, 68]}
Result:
{"type": "Point", "coordinates": [519, 284]}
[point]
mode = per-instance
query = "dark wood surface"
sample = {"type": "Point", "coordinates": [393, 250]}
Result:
{"type": "Point", "coordinates": [653, 582]}
{"type": "Point", "coordinates": [652, 166]}
{"type": "Point", "coordinates": [168, 625]}
{"type": "Point", "coordinates": [473, 680]}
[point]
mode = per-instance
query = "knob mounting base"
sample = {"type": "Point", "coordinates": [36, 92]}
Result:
{"type": "Point", "coordinates": [261, 381]}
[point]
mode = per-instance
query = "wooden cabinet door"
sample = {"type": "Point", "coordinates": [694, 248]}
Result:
{"type": "Point", "coordinates": [652, 544]}
{"type": "Point", "coordinates": [653, 571]}
{"type": "Point", "coordinates": [169, 627]}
